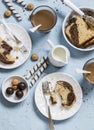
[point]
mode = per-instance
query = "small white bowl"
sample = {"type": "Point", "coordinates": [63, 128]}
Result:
{"type": "Point", "coordinates": [7, 83]}
{"type": "Point", "coordinates": [65, 22]}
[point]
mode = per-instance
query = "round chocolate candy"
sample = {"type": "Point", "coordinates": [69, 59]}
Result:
{"type": "Point", "coordinates": [22, 86]}
{"type": "Point", "coordinates": [19, 94]}
{"type": "Point", "coordinates": [9, 90]}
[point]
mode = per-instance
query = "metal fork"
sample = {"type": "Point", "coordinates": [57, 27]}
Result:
{"type": "Point", "coordinates": [46, 90]}
{"type": "Point", "coordinates": [22, 48]}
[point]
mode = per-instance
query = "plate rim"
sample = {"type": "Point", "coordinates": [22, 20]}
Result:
{"type": "Point", "coordinates": [74, 80]}
{"type": "Point", "coordinates": [9, 68]}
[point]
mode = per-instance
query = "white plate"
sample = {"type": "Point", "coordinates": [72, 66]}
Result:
{"type": "Point", "coordinates": [57, 111]}
{"type": "Point", "coordinates": [7, 83]}
{"type": "Point", "coordinates": [21, 33]}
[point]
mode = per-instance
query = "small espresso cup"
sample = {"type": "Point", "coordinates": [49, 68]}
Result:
{"type": "Point", "coordinates": [59, 55]}
{"type": "Point", "coordinates": [89, 66]}
{"type": "Point", "coordinates": [44, 16]}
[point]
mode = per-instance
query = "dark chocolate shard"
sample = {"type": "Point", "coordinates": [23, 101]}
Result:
{"type": "Point", "coordinates": [74, 34]}
{"type": "Point", "coordinates": [70, 98]}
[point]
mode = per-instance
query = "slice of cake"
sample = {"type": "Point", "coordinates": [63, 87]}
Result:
{"type": "Point", "coordinates": [5, 50]}
{"type": "Point", "coordinates": [79, 33]}
{"type": "Point", "coordinates": [7, 59]}
{"type": "Point", "coordinates": [53, 97]}
{"type": "Point", "coordinates": [66, 93]}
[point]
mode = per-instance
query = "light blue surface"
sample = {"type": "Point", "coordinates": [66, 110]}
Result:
{"type": "Point", "coordinates": [25, 115]}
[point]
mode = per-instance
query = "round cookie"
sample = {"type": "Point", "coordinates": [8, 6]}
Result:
{"type": "Point", "coordinates": [30, 7]}
{"type": "Point", "coordinates": [7, 13]}
{"type": "Point", "coordinates": [34, 57]}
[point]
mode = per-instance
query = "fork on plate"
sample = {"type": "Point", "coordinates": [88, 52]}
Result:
{"type": "Point", "coordinates": [46, 90]}
{"type": "Point", "coordinates": [21, 46]}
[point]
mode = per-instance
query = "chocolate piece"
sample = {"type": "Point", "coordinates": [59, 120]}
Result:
{"type": "Point", "coordinates": [67, 85]}
{"type": "Point", "coordinates": [22, 86]}
{"type": "Point", "coordinates": [74, 34]}
{"type": "Point", "coordinates": [19, 94]}
{"type": "Point", "coordinates": [72, 20]}
{"type": "Point", "coordinates": [6, 52]}
{"type": "Point", "coordinates": [10, 91]}
{"type": "Point", "coordinates": [70, 98]}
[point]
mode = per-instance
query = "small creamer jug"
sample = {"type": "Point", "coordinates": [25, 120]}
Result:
{"type": "Point", "coordinates": [59, 55]}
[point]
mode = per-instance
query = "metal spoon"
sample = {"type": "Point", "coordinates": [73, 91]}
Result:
{"type": "Point", "coordinates": [88, 19]}
{"type": "Point", "coordinates": [35, 28]}
{"type": "Point", "coordinates": [80, 71]}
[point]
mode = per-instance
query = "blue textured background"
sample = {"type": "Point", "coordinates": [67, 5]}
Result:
{"type": "Point", "coordinates": [25, 115]}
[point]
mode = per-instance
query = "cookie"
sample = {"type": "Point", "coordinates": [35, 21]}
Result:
{"type": "Point", "coordinates": [34, 57]}
{"type": "Point", "coordinates": [30, 7]}
{"type": "Point", "coordinates": [7, 13]}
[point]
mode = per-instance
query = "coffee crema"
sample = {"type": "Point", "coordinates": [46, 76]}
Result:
{"type": "Point", "coordinates": [90, 77]}
{"type": "Point", "coordinates": [44, 17]}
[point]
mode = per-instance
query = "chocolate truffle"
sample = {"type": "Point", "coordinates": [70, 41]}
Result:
{"type": "Point", "coordinates": [19, 94]}
{"type": "Point", "coordinates": [22, 86]}
{"type": "Point", "coordinates": [9, 90]}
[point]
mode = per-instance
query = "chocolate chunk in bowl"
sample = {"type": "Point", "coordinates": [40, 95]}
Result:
{"type": "Point", "coordinates": [77, 33]}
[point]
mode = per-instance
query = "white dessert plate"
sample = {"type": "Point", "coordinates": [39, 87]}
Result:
{"type": "Point", "coordinates": [7, 83]}
{"type": "Point", "coordinates": [58, 112]}
{"type": "Point", "coordinates": [22, 34]}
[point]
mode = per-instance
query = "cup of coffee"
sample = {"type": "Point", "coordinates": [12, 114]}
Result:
{"type": "Point", "coordinates": [89, 66]}
{"type": "Point", "coordinates": [44, 16]}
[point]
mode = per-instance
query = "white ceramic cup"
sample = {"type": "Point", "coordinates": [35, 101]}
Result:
{"type": "Point", "coordinates": [59, 55]}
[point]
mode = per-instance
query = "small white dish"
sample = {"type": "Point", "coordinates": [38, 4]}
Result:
{"type": "Point", "coordinates": [65, 22]}
{"type": "Point", "coordinates": [58, 112]}
{"type": "Point", "coordinates": [22, 34]}
{"type": "Point", "coordinates": [7, 83]}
